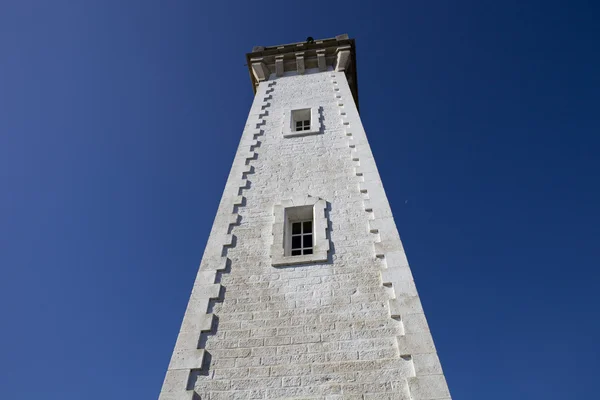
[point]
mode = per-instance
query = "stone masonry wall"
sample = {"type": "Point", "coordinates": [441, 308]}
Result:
{"type": "Point", "coordinates": [350, 328]}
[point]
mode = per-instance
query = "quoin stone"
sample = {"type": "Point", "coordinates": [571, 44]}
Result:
{"type": "Point", "coordinates": [304, 290]}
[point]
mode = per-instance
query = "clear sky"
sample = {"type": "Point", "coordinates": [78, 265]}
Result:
{"type": "Point", "coordinates": [118, 125]}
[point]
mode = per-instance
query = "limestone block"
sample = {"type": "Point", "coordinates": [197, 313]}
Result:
{"type": "Point", "coordinates": [379, 206]}
{"type": "Point", "coordinates": [238, 200]}
{"type": "Point", "coordinates": [189, 339]}
{"type": "Point", "coordinates": [404, 304]}
{"type": "Point", "coordinates": [228, 240]}
{"type": "Point", "coordinates": [233, 219]}
{"type": "Point", "coordinates": [386, 246]}
{"type": "Point", "coordinates": [396, 274]}
{"type": "Point", "coordinates": [415, 343]}
{"type": "Point", "coordinates": [415, 323]}
{"type": "Point", "coordinates": [196, 317]}
{"type": "Point", "coordinates": [175, 381]}
{"type": "Point", "coordinates": [205, 291]}
{"type": "Point", "coordinates": [213, 263]}
{"type": "Point", "coordinates": [396, 259]}
{"type": "Point", "coordinates": [205, 277]}
{"type": "Point", "coordinates": [428, 387]}
{"type": "Point", "coordinates": [427, 364]}
{"type": "Point", "coordinates": [372, 188]}
{"type": "Point", "coordinates": [406, 288]}
{"type": "Point", "coordinates": [370, 176]}
{"type": "Point", "coordinates": [186, 359]}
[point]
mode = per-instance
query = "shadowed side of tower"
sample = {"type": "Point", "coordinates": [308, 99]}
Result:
{"type": "Point", "coordinates": [304, 289]}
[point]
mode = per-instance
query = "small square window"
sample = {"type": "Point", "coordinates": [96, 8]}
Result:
{"type": "Point", "coordinates": [302, 122]}
{"type": "Point", "coordinates": [301, 119]}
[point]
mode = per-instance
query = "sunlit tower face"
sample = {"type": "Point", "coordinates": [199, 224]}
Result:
{"type": "Point", "coordinates": [304, 289]}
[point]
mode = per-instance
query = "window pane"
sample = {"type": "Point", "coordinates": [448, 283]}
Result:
{"type": "Point", "coordinates": [296, 228]}
{"type": "Point", "coordinates": [307, 122]}
{"type": "Point", "coordinates": [306, 128]}
{"type": "Point", "coordinates": [308, 251]}
{"type": "Point", "coordinates": [307, 241]}
{"type": "Point", "coordinates": [296, 252]}
{"type": "Point", "coordinates": [308, 227]}
{"type": "Point", "coordinates": [296, 242]}
{"type": "Point", "coordinates": [298, 124]}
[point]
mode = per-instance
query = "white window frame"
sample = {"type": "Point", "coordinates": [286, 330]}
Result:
{"type": "Point", "coordinates": [287, 212]}
{"type": "Point", "coordinates": [289, 124]}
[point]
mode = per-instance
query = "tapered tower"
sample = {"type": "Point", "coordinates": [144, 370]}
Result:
{"type": "Point", "coordinates": [304, 289]}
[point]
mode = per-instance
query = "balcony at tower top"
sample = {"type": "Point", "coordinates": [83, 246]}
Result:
{"type": "Point", "coordinates": [337, 54]}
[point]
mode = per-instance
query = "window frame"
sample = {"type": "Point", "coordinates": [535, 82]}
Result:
{"type": "Point", "coordinates": [297, 210]}
{"type": "Point", "coordinates": [291, 119]}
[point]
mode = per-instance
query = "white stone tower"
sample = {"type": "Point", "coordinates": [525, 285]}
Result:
{"type": "Point", "coordinates": [304, 290]}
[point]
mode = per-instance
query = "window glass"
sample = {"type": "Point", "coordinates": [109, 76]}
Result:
{"type": "Point", "coordinates": [296, 242]}
{"type": "Point", "coordinates": [307, 241]}
{"type": "Point", "coordinates": [301, 238]}
{"type": "Point", "coordinates": [296, 228]}
{"type": "Point", "coordinates": [307, 226]}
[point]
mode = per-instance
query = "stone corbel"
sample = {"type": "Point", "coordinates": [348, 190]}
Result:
{"type": "Point", "coordinates": [300, 62]}
{"type": "Point", "coordinates": [321, 60]}
{"type": "Point", "coordinates": [260, 69]}
{"type": "Point", "coordinates": [279, 65]}
{"type": "Point", "coordinates": [343, 58]}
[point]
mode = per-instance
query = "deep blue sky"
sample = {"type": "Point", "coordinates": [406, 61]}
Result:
{"type": "Point", "coordinates": [119, 121]}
